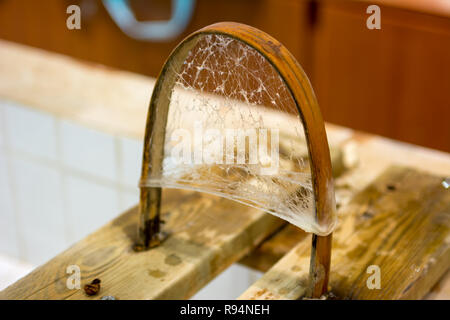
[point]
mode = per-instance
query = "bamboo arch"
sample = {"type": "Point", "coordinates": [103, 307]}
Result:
{"type": "Point", "coordinates": [149, 233]}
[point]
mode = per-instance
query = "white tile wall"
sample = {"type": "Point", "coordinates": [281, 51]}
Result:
{"type": "Point", "coordinates": [90, 205]}
{"type": "Point", "coordinates": [131, 160]}
{"type": "Point", "coordinates": [40, 214]}
{"type": "Point", "coordinates": [2, 125]}
{"type": "Point", "coordinates": [8, 227]}
{"type": "Point", "coordinates": [12, 270]}
{"type": "Point", "coordinates": [30, 131]}
{"type": "Point", "coordinates": [128, 199]}
{"type": "Point", "coordinates": [89, 151]}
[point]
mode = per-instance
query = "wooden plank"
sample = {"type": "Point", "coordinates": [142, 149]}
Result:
{"type": "Point", "coordinates": [208, 234]}
{"type": "Point", "coordinates": [441, 290]}
{"type": "Point", "coordinates": [274, 248]}
{"type": "Point", "coordinates": [400, 222]}
{"type": "Point", "coordinates": [364, 156]}
{"type": "Point", "coordinates": [373, 154]}
{"type": "Point", "coordinates": [201, 246]}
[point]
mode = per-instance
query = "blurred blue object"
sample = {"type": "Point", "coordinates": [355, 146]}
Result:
{"type": "Point", "coordinates": [155, 31]}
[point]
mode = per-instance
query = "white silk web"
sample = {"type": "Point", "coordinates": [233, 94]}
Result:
{"type": "Point", "coordinates": [233, 130]}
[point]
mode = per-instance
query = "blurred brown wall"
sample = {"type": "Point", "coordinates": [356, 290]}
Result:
{"type": "Point", "coordinates": [394, 81]}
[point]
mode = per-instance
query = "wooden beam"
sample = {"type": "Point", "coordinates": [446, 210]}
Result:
{"type": "Point", "coordinates": [441, 290]}
{"type": "Point", "coordinates": [400, 223]}
{"type": "Point", "coordinates": [364, 157]}
{"type": "Point", "coordinates": [208, 234]}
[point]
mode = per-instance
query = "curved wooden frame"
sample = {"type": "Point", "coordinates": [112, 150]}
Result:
{"type": "Point", "coordinates": [307, 106]}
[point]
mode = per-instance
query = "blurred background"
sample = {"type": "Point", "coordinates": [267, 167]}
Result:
{"type": "Point", "coordinates": [394, 82]}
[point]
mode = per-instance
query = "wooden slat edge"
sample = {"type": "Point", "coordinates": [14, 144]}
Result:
{"type": "Point", "coordinates": [210, 233]}
{"type": "Point", "coordinates": [375, 220]}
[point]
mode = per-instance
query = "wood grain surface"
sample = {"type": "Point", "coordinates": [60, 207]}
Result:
{"type": "Point", "coordinates": [400, 223]}
{"type": "Point", "coordinates": [208, 234]}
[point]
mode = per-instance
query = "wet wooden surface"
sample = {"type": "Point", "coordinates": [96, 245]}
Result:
{"type": "Point", "coordinates": [371, 155]}
{"type": "Point", "coordinates": [399, 223]}
{"type": "Point", "coordinates": [209, 234]}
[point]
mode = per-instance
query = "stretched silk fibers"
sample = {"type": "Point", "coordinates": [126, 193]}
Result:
{"type": "Point", "coordinates": [233, 129]}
